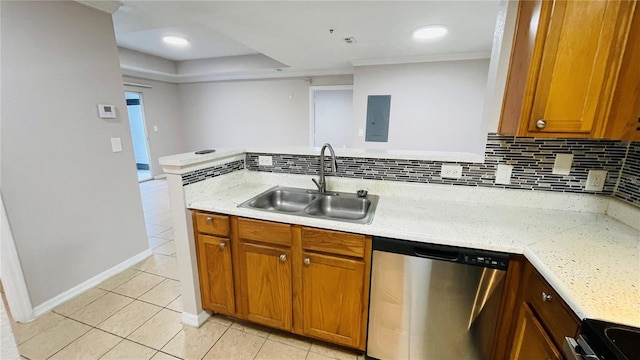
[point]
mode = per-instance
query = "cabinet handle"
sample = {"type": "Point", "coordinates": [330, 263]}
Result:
{"type": "Point", "coordinates": [222, 245]}
{"type": "Point", "coordinates": [283, 257]}
{"type": "Point", "coordinates": [209, 219]}
{"type": "Point", "coordinates": [546, 297]}
{"type": "Point", "coordinates": [540, 124]}
{"type": "Point", "coordinates": [307, 261]}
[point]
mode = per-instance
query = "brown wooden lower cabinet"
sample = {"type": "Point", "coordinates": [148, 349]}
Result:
{"type": "Point", "coordinates": [332, 298]}
{"type": "Point", "coordinates": [540, 320]}
{"type": "Point", "coordinates": [309, 281]}
{"type": "Point", "coordinates": [216, 276]}
{"type": "Point", "coordinates": [265, 285]}
{"type": "Point", "coordinates": [531, 340]}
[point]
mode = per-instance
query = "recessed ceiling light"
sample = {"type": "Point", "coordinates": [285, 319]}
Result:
{"type": "Point", "coordinates": [430, 32]}
{"type": "Point", "coordinates": [175, 40]}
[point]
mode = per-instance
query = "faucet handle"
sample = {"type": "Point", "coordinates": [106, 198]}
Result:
{"type": "Point", "coordinates": [317, 184]}
{"type": "Point", "coordinates": [362, 193]}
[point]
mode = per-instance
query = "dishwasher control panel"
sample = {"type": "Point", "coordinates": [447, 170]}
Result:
{"type": "Point", "coordinates": [494, 262]}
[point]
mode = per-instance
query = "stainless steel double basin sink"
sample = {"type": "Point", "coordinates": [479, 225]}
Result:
{"type": "Point", "coordinates": [311, 203]}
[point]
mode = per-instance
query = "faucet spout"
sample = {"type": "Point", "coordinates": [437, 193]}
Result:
{"type": "Point", "coordinates": [321, 183]}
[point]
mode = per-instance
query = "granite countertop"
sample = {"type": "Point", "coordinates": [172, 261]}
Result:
{"type": "Point", "coordinates": [591, 259]}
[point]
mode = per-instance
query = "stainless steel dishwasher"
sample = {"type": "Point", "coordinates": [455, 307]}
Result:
{"type": "Point", "coordinates": [432, 301]}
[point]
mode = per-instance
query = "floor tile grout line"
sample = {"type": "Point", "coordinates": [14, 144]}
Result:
{"type": "Point", "coordinates": [215, 342]}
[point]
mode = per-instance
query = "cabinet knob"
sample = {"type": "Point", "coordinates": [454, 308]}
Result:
{"type": "Point", "coordinates": [546, 297]}
{"type": "Point", "coordinates": [540, 124]}
{"type": "Point", "coordinates": [209, 219]}
{"type": "Point", "coordinates": [307, 261]}
{"type": "Point", "coordinates": [222, 245]}
{"type": "Point", "coordinates": [283, 257]}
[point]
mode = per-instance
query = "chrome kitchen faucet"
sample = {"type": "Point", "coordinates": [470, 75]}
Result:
{"type": "Point", "coordinates": [321, 183]}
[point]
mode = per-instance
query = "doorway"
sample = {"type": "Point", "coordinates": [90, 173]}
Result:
{"type": "Point", "coordinates": [331, 115]}
{"type": "Point", "coordinates": [139, 135]}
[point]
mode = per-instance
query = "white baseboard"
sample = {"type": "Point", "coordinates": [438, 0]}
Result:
{"type": "Point", "coordinates": [161, 176]}
{"type": "Point", "coordinates": [194, 320]}
{"type": "Point", "coordinates": [51, 304]}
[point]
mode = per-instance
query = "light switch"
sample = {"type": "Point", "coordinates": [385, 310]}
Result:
{"type": "Point", "coordinates": [116, 145]}
{"type": "Point", "coordinates": [562, 165]}
{"type": "Point", "coordinates": [503, 174]}
{"type": "Point", "coordinates": [265, 161]}
{"type": "Point", "coordinates": [155, 128]}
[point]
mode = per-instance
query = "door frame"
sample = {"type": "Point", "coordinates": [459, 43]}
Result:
{"type": "Point", "coordinates": [13, 281]}
{"type": "Point", "coordinates": [144, 126]}
{"type": "Point", "coordinates": [312, 105]}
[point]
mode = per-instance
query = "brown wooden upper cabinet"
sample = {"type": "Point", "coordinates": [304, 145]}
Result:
{"type": "Point", "coordinates": [571, 72]}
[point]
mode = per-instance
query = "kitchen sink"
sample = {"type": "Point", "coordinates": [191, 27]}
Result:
{"type": "Point", "coordinates": [338, 206]}
{"type": "Point", "coordinates": [283, 200]}
{"type": "Point", "coordinates": [342, 207]}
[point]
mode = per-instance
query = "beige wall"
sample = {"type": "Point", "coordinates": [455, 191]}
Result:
{"type": "Point", "coordinates": [73, 205]}
{"type": "Point", "coordinates": [162, 108]}
{"type": "Point", "coordinates": [245, 113]}
{"type": "Point", "coordinates": [435, 106]}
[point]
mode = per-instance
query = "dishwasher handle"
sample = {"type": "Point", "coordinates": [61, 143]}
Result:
{"type": "Point", "coordinates": [437, 254]}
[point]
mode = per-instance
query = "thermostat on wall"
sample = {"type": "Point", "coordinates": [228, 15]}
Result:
{"type": "Point", "coordinates": [107, 111]}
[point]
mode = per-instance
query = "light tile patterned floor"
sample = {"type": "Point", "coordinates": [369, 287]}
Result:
{"type": "Point", "coordinates": [136, 315]}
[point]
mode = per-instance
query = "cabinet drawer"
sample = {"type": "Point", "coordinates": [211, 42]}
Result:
{"type": "Point", "coordinates": [212, 224]}
{"type": "Point", "coordinates": [333, 242]}
{"type": "Point", "coordinates": [264, 231]}
{"type": "Point", "coordinates": [558, 319]}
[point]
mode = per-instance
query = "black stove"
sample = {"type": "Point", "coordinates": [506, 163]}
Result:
{"type": "Point", "coordinates": [611, 341]}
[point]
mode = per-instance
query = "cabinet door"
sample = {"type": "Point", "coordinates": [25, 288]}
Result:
{"type": "Point", "coordinates": [216, 275]}
{"type": "Point", "coordinates": [266, 284]}
{"type": "Point", "coordinates": [579, 64]}
{"type": "Point", "coordinates": [332, 298]}
{"type": "Point", "coordinates": [531, 342]}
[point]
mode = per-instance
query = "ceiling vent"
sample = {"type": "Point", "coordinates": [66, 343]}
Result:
{"type": "Point", "coordinates": [349, 40]}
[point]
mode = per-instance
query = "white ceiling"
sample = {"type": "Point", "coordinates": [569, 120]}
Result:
{"type": "Point", "coordinates": [296, 33]}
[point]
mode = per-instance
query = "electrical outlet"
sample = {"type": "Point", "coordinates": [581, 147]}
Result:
{"type": "Point", "coordinates": [503, 174]}
{"type": "Point", "coordinates": [596, 180]}
{"type": "Point", "coordinates": [451, 171]}
{"type": "Point", "coordinates": [361, 132]}
{"type": "Point", "coordinates": [562, 164]}
{"type": "Point", "coordinates": [265, 161]}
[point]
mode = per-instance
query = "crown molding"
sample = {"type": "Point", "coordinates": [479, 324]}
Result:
{"type": "Point", "coordinates": [108, 6]}
{"type": "Point", "coordinates": [423, 58]}
{"type": "Point", "coordinates": [229, 76]}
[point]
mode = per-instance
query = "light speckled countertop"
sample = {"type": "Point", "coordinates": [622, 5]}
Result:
{"type": "Point", "coordinates": [592, 260]}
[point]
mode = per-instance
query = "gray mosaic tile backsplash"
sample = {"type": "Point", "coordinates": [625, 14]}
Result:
{"type": "Point", "coordinates": [629, 185]}
{"type": "Point", "coordinates": [210, 172]}
{"type": "Point", "coordinates": [532, 160]}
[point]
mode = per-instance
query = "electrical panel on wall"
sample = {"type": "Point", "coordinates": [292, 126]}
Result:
{"type": "Point", "coordinates": [378, 109]}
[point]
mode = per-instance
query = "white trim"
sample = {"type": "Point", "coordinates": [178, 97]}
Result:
{"type": "Point", "coordinates": [15, 288]}
{"type": "Point", "coordinates": [80, 288]}
{"type": "Point", "coordinates": [423, 58]}
{"type": "Point", "coordinates": [107, 6]}
{"type": "Point", "coordinates": [137, 85]}
{"type": "Point", "coordinates": [194, 320]}
{"type": "Point", "coordinates": [312, 105]}
{"type": "Point", "coordinates": [160, 177]}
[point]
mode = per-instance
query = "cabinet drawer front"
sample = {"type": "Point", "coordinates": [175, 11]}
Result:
{"type": "Point", "coordinates": [264, 231]}
{"type": "Point", "coordinates": [212, 224]}
{"type": "Point", "coordinates": [552, 311]}
{"type": "Point", "coordinates": [333, 242]}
